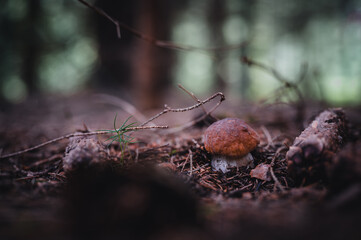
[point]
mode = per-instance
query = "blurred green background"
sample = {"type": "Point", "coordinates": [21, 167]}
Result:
{"type": "Point", "coordinates": [61, 47]}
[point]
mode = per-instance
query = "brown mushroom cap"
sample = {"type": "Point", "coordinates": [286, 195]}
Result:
{"type": "Point", "coordinates": [230, 137]}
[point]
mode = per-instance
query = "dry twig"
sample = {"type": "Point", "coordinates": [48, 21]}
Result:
{"type": "Point", "coordinates": [268, 137]}
{"type": "Point", "coordinates": [168, 109]}
{"type": "Point", "coordinates": [129, 129]}
{"type": "Point", "coordinates": [275, 179]}
{"type": "Point", "coordinates": [74, 135]}
{"type": "Point", "coordinates": [190, 161]}
{"type": "Point", "coordinates": [192, 96]}
{"type": "Point", "coordinates": [286, 84]}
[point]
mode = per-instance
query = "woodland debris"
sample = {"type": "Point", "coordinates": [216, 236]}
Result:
{"type": "Point", "coordinates": [261, 171]}
{"type": "Point", "coordinates": [313, 149]}
{"type": "Point", "coordinates": [78, 134]}
{"type": "Point", "coordinates": [129, 128]}
{"type": "Point", "coordinates": [83, 152]}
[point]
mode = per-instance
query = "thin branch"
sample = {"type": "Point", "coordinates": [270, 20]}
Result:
{"type": "Point", "coordinates": [154, 41]}
{"type": "Point", "coordinates": [104, 14]}
{"type": "Point", "coordinates": [268, 137]}
{"type": "Point", "coordinates": [168, 109]}
{"type": "Point", "coordinates": [275, 179]}
{"type": "Point", "coordinates": [192, 96]}
{"type": "Point", "coordinates": [75, 135]}
{"type": "Point", "coordinates": [195, 121]}
{"type": "Point", "coordinates": [277, 75]}
{"type": "Point", "coordinates": [264, 67]}
{"type": "Point", "coordinates": [199, 119]}
{"type": "Point", "coordinates": [128, 129]}
{"type": "Point", "coordinates": [190, 161]}
{"type": "Point", "coordinates": [185, 162]}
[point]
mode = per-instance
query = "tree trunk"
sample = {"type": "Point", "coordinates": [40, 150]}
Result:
{"type": "Point", "coordinates": [32, 47]}
{"type": "Point", "coordinates": [151, 65]}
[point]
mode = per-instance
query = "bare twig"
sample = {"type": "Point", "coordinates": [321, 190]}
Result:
{"type": "Point", "coordinates": [28, 177]}
{"type": "Point", "coordinates": [136, 155]}
{"type": "Point", "coordinates": [275, 179]}
{"type": "Point", "coordinates": [130, 129]}
{"type": "Point", "coordinates": [75, 135]}
{"type": "Point", "coordinates": [199, 119]}
{"type": "Point", "coordinates": [268, 136]}
{"type": "Point", "coordinates": [206, 184]}
{"type": "Point", "coordinates": [154, 41]}
{"type": "Point", "coordinates": [44, 161]}
{"type": "Point", "coordinates": [245, 187]}
{"type": "Point", "coordinates": [192, 96]}
{"type": "Point", "coordinates": [190, 161]}
{"type": "Point", "coordinates": [168, 109]}
{"type": "Point", "coordinates": [185, 162]}
{"type": "Point", "coordinates": [286, 84]}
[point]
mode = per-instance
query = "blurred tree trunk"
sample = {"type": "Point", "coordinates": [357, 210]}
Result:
{"type": "Point", "coordinates": [248, 15]}
{"type": "Point", "coordinates": [216, 16]}
{"type": "Point", "coordinates": [151, 65]}
{"type": "Point", "coordinates": [31, 49]}
{"type": "Point", "coordinates": [136, 69]}
{"type": "Point", "coordinates": [114, 54]}
{"type": "Point", "coordinates": [245, 81]}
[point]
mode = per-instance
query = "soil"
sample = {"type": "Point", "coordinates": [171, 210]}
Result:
{"type": "Point", "coordinates": [162, 186]}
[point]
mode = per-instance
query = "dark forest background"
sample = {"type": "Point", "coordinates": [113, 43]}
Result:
{"type": "Point", "coordinates": [62, 47]}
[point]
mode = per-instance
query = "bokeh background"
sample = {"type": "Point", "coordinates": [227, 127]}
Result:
{"type": "Point", "coordinates": [61, 47]}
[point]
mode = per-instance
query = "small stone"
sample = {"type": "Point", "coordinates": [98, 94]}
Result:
{"type": "Point", "coordinates": [262, 171]}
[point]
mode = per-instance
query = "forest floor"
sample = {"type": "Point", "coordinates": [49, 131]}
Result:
{"type": "Point", "coordinates": [162, 186]}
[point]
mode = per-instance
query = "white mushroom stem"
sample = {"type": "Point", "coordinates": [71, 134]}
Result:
{"type": "Point", "coordinates": [223, 163]}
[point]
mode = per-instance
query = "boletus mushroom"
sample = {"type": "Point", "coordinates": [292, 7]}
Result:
{"type": "Point", "coordinates": [230, 142]}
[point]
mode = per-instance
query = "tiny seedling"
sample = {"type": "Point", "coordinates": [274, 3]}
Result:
{"type": "Point", "coordinates": [119, 134]}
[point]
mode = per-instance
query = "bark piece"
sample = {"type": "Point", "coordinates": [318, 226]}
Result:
{"type": "Point", "coordinates": [313, 149]}
{"type": "Point", "coordinates": [83, 152]}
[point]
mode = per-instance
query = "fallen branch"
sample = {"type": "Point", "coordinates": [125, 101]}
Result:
{"type": "Point", "coordinates": [129, 129]}
{"type": "Point", "coordinates": [200, 118]}
{"type": "Point", "coordinates": [311, 151]}
{"type": "Point", "coordinates": [168, 109]}
{"type": "Point", "coordinates": [192, 96]}
{"type": "Point", "coordinates": [273, 175]}
{"type": "Point", "coordinates": [75, 135]}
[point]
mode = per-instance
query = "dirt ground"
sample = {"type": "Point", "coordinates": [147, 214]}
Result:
{"type": "Point", "coordinates": [162, 186]}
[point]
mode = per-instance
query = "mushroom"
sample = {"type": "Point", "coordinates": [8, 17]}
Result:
{"type": "Point", "coordinates": [230, 142]}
